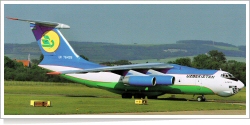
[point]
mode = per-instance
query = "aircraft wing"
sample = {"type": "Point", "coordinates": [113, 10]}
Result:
{"type": "Point", "coordinates": [117, 68]}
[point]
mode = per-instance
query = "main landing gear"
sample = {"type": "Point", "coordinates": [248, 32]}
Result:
{"type": "Point", "coordinates": [201, 98]}
{"type": "Point", "coordinates": [139, 96]}
{"type": "Point", "coordinates": [126, 96]}
{"type": "Point", "coordinates": [136, 96]}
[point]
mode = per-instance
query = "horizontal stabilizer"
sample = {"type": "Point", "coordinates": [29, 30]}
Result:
{"type": "Point", "coordinates": [43, 23]}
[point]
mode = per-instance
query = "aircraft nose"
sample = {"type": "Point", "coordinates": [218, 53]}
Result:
{"type": "Point", "coordinates": [240, 85]}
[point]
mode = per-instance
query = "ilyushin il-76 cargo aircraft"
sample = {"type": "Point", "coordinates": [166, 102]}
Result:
{"type": "Point", "coordinates": [138, 80]}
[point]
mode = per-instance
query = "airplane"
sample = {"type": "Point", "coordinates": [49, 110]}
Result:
{"type": "Point", "coordinates": [136, 80]}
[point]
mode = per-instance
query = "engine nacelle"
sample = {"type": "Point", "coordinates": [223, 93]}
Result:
{"type": "Point", "coordinates": [164, 80]}
{"type": "Point", "coordinates": [140, 80]}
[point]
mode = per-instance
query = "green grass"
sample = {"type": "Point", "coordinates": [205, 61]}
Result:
{"type": "Point", "coordinates": [227, 48]}
{"type": "Point", "coordinates": [239, 59]}
{"type": "Point", "coordinates": [50, 88]}
{"type": "Point", "coordinates": [68, 98]}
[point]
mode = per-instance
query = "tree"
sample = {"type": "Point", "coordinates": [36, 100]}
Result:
{"type": "Point", "coordinates": [238, 69]}
{"type": "Point", "coordinates": [212, 60]}
{"type": "Point", "coordinates": [84, 57]}
{"type": "Point", "coordinates": [107, 63]}
{"type": "Point", "coordinates": [41, 58]}
{"type": "Point", "coordinates": [183, 61]}
{"type": "Point", "coordinates": [11, 63]}
{"type": "Point", "coordinates": [217, 56]}
{"type": "Point", "coordinates": [122, 62]}
{"type": "Point", "coordinates": [35, 61]}
{"type": "Point", "coordinates": [10, 68]}
{"type": "Point", "coordinates": [119, 62]}
{"type": "Point", "coordinates": [16, 71]}
{"type": "Point", "coordinates": [201, 61]}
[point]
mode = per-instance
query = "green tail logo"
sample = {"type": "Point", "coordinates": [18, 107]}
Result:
{"type": "Point", "coordinates": [46, 42]}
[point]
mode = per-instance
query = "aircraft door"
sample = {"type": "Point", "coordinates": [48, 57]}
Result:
{"type": "Point", "coordinates": [199, 83]}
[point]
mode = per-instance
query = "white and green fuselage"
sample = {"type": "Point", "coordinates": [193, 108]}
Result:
{"type": "Point", "coordinates": [193, 81]}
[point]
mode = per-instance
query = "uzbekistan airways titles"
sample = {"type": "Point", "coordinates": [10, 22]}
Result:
{"type": "Point", "coordinates": [200, 76]}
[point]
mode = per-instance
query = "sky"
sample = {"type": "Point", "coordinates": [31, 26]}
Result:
{"type": "Point", "coordinates": [132, 23]}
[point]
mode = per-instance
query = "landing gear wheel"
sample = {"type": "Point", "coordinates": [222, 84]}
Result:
{"type": "Point", "coordinates": [201, 99]}
{"type": "Point", "coordinates": [126, 96]}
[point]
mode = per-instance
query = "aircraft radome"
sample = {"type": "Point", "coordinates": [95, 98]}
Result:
{"type": "Point", "coordinates": [138, 80]}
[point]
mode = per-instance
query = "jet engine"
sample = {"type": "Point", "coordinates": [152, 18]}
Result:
{"type": "Point", "coordinates": [140, 80]}
{"type": "Point", "coordinates": [161, 78]}
{"type": "Point", "coordinates": [164, 80]}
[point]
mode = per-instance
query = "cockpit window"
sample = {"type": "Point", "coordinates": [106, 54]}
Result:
{"type": "Point", "coordinates": [228, 76]}
{"type": "Point", "coordinates": [231, 76]}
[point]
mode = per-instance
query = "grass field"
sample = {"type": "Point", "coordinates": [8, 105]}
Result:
{"type": "Point", "coordinates": [70, 98]}
{"type": "Point", "coordinates": [228, 48]}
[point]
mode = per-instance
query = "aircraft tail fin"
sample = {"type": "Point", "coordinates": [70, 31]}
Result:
{"type": "Point", "coordinates": [53, 45]}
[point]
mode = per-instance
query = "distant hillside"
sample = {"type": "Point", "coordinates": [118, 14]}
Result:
{"type": "Point", "coordinates": [101, 52]}
{"type": "Point", "coordinates": [205, 42]}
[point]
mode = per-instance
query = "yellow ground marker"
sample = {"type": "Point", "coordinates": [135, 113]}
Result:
{"type": "Point", "coordinates": [141, 101]}
{"type": "Point", "coordinates": [40, 103]}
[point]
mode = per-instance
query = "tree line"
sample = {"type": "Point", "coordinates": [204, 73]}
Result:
{"type": "Point", "coordinates": [15, 71]}
{"type": "Point", "coordinates": [134, 52]}
{"type": "Point", "coordinates": [212, 60]}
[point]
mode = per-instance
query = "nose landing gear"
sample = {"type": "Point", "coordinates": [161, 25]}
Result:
{"type": "Point", "coordinates": [235, 89]}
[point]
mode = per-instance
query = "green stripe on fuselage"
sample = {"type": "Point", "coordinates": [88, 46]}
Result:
{"type": "Point", "coordinates": [119, 88]}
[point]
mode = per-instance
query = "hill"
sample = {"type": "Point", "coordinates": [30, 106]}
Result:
{"type": "Point", "coordinates": [101, 52]}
